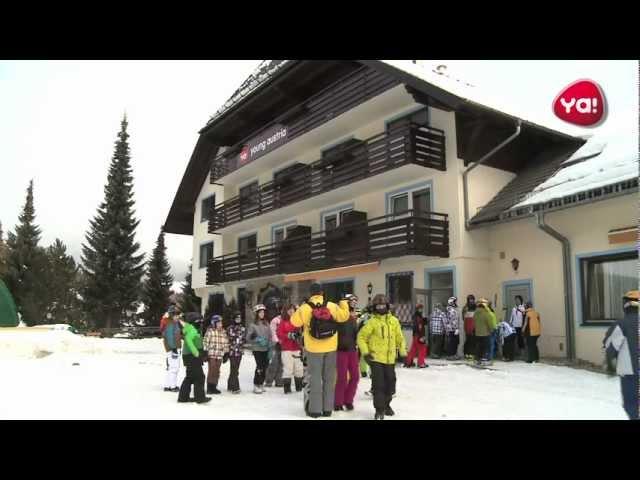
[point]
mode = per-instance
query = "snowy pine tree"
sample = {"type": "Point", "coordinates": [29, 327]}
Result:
{"type": "Point", "coordinates": [157, 286]}
{"type": "Point", "coordinates": [62, 294]}
{"type": "Point", "coordinates": [26, 265]}
{"type": "Point", "coordinates": [110, 262]}
{"type": "Point", "coordinates": [189, 301]}
{"type": "Point", "coordinates": [3, 254]}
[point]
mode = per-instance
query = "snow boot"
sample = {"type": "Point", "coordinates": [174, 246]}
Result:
{"type": "Point", "coordinates": [349, 406]}
{"type": "Point", "coordinates": [338, 408]}
{"type": "Point", "coordinates": [389, 411]}
{"type": "Point", "coordinates": [286, 383]}
{"type": "Point", "coordinates": [210, 388]}
{"type": "Point", "coordinates": [379, 416]}
{"type": "Point", "coordinates": [215, 390]}
{"type": "Point", "coordinates": [327, 414]}
{"type": "Point", "coordinates": [299, 383]}
{"type": "Point", "coordinates": [204, 400]}
{"type": "Point", "coordinates": [257, 389]}
{"type": "Point", "coordinates": [314, 415]}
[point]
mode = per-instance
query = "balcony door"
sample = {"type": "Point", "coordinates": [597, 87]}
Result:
{"type": "Point", "coordinates": [400, 294]}
{"type": "Point", "coordinates": [247, 247]}
{"type": "Point", "coordinates": [418, 200]}
{"type": "Point", "coordinates": [249, 200]}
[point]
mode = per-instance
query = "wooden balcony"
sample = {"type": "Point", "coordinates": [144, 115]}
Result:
{"type": "Point", "coordinates": [411, 233]}
{"type": "Point", "coordinates": [359, 159]}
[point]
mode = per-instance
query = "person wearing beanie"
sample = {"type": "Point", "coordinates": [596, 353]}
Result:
{"type": "Point", "coordinates": [621, 343]}
{"type": "Point", "coordinates": [531, 330]}
{"type": "Point", "coordinates": [381, 342]}
{"type": "Point", "coordinates": [236, 336]}
{"type": "Point", "coordinates": [172, 342]}
{"type": "Point", "coordinates": [193, 355]}
{"type": "Point", "coordinates": [418, 343]}
{"type": "Point", "coordinates": [290, 339]}
{"type": "Point", "coordinates": [318, 318]}
{"type": "Point", "coordinates": [348, 373]}
{"type": "Point", "coordinates": [216, 344]}
{"type": "Point", "coordinates": [482, 321]}
{"type": "Point", "coordinates": [259, 334]}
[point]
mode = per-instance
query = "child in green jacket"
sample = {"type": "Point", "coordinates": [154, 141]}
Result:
{"type": "Point", "coordinates": [193, 355]}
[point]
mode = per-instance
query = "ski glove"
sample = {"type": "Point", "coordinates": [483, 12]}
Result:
{"type": "Point", "coordinates": [225, 358]}
{"type": "Point", "coordinates": [401, 359]}
{"type": "Point", "coordinates": [456, 332]}
{"type": "Point", "coordinates": [421, 340]}
{"type": "Point", "coordinates": [368, 358]}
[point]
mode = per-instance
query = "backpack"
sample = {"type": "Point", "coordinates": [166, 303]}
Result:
{"type": "Point", "coordinates": [322, 325]}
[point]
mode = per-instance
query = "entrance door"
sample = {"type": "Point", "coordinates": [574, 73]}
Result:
{"type": "Point", "coordinates": [510, 291]}
{"type": "Point", "coordinates": [400, 293]}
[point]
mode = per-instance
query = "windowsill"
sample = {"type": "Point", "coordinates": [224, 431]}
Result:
{"type": "Point", "coordinates": [598, 324]}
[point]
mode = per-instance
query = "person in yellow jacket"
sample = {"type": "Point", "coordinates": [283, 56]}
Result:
{"type": "Point", "coordinates": [531, 330]}
{"type": "Point", "coordinates": [379, 342]}
{"type": "Point", "coordinates": [321, 354]}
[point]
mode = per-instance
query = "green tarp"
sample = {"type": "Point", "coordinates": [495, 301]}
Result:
{"type": "Point", "coordinates": [8, 314]}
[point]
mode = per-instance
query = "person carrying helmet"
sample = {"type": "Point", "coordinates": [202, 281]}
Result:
{"type": "Point", "coordinates": [419, 341]}
{"type": "Point", "coordinates": [318, 319]}
{"type": "Point", "coordinates": [451, 328]}
{"type": "Point", "coordinates": [621, 343]}
{"type": "Point", "coordinates": [216, 344]}
{"type": "Point", "coordinates": [259, 334]}
{"type": "Point", "coordinates": [348, 373]}
{"type": "Point", "coordinates": [379, 342]}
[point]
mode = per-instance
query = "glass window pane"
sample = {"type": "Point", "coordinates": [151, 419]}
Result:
{"type": "Point", "coordinates": [606, 282]}
{"type": "Point", "coordinates": [441, 280]}
{"type": "Point", "coordinates": [278, 235]}
{"type": "Point", "coordinates": [206, 253]}
{"type": "Point", "coordinates": [400, 203]}
{"type": "Point", "coordinates": [421, 200]}
{"type": "Point", "coordinates": [330, 222]}
{"type": "Point", "coordinates": [343, 212]}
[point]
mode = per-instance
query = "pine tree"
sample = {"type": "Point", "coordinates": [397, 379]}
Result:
{"type": "Point", "coordinates": [157, 287]}
{"type": "Point", "coordinates": [26, 265]}
{"type": "Point", "coordinates": [62, 281]}
{"type": "Point", "coordinates": [189, 301]}
{"type": "Point", "coordinates": [110, 262]}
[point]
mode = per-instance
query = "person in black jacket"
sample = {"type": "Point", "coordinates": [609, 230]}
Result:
{"type": "Point", "coordinates": [347, 360]}
{"type": "Point", "coordinates": [418, 345]}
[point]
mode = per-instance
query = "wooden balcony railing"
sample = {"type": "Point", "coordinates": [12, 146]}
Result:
{"type": "Point", "coordinates": [410, 233]}
{"type": "Point", "coordinates": [407, 144]}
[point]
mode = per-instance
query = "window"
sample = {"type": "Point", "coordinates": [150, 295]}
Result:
{"type": "Point", "coordinates": [280, 233]}
{"type": "Point", "coordinates": [440, 288]}
{"type": "Point", "coordinates": [335, 291]}
{"type": "Point", "coordinates": [420, 117]}
{"type": "Point", "coordinates": [604, 279]}
{"type": "Point", "coordinates": [418, 200]}
{"type": "Point", "coordinates": [206, 254]}
{"type": "Point", "coordinates": [249, 194]}
{"type": "Point", "coordinates": [247, 245]}
{"type": "Point", "coordinates": [206, 206]}
{"type": "Point", "coordinates": [334, 219]}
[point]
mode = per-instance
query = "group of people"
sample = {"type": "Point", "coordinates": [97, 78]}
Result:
{"type": "Point", "coordinates": [318, 347]}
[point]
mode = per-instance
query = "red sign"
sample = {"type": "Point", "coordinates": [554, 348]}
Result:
{"type": "Point", "coordinates": [581, 103]}
{"type": "Point", "coordinates": [244, 155]}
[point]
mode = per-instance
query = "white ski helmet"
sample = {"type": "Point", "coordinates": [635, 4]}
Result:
{"type": "Point", "coordinates": [259, 307]}
{"type": "Point", "coordinates": [452, 302]}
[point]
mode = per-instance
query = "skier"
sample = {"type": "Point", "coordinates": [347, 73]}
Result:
{"type": "Point", "coordinates": [216, 344]}
{"type": "Point", "coordinates": [452, 329]}
{"type": "Point", "coordinates": [418, 343]}
{"type": "Point", "coordinates": [438, 319]}
{"type": "Point", "coordinates": [318, 319]}
{"type": "Point", "coordinates": [621, 343]}
{"type": "Point", "coordinates": [482, 321]}
{"type": "Point", "coordinates": [236, 336]}
{"type": "Point", "coordinates": [290, 341]}
{"type": "Point", "coordinates": [531, 330]}
{"type": "Point", "coordinates": [493, 336]}
{"type": "Point", "coordinates": [274, 371]}
{"type": "Point", "coordinates": [379, 341]}
{"type": "Point", "coordinates": [192, 355]}
{"type": "Point", "coordinates": [172, 343]}
{"type": "Point", "coordinates": [469, 327]}
{"type": "Point", "coordinates": [259, 334]}
{"type": "Point", "coordinates": [517, 321]}
{"type": "Point", "coordinates": [347, 359]}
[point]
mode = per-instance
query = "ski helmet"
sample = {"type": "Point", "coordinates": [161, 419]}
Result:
{"type": "Point", "coordinates": [259, 307]}
{"type": "Point", "coordinates": [452, 302]}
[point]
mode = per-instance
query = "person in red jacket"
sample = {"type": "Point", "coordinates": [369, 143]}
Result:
{"type": "Point", "coordinates": [290, 339]}
{"type": "Point", "coordinates": [419, 344]}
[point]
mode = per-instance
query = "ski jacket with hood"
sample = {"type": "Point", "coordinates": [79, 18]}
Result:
{"type": "Point", "coordinates": [624, 339]}
{"type": "Point", "coordinates": [382, 337]}
{"type": "Point", "coordinates": [215, 343]}
{"type": "Point", "coordinates": [192, 341]}
{"type": "Point", "coordinates": [302, 318]}
{"type": "Point", "coordinates": [287, 344]}
{"type": "Point", "coordinates": [483, 321]}
{"type": "Point", "coordinates": [259, 334]}
{"type": "Point", "coordinates": [235, 334]}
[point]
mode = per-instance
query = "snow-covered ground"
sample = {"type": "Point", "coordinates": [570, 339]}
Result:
{"type": "Point", "coordinates": [122, 379]}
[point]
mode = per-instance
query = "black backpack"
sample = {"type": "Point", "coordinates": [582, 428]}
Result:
{"type": "Point", "coordinates": [322, 325]}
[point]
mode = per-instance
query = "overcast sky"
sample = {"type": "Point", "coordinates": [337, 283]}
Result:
{"type": "Point", "coordinates": [59, 120]}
